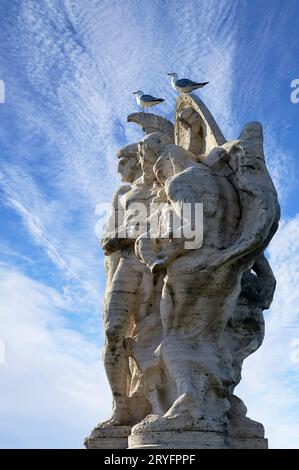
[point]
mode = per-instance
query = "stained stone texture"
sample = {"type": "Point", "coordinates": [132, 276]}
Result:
{"type": "Point", "coordinates": [108, 438]}
{"type": "Point", "coordinates": [180, 319]}
{"type": "Point", "coordinates": [178, 440]}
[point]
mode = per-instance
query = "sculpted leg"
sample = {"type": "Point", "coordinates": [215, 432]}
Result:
{"type": "Point", "coordinates": [201, 304]}
{"type": "Point", "coordinates": [120, 305]}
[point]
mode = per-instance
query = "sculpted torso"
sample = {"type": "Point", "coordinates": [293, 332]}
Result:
{"type": "Point", "coordinates": [221, 205]}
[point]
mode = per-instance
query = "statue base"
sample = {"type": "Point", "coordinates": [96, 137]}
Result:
{"type": "Point", "coordinates": [193, 440]}
{"type": "Point", "coordinates": [248, 443]}
{"type": "Point", "coordinates": [178, 440]}
{"type": "Point", "coordinates": [114, 437]}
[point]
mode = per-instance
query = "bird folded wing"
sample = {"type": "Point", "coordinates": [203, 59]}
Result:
{"type": "Point", "coordinates": [149, 98]}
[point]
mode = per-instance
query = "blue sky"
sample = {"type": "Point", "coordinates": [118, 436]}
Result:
{"type": "Point", "coordinates": [69, 68]}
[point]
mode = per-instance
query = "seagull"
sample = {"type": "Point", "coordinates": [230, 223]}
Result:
{"type": "Point", "coordinates": [146, 101]}
{"type": "Point", "coordinates": [184, 85]}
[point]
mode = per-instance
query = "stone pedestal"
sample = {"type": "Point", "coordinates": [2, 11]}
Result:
{"type": "Point", "coordinates": [248, 443]}
{"type": "Point", "coordinates": [179, 440]}
{"type": "Point", "coordinates": [120, 437]}
{"type": "Point", "coordinates": [193, 440]}
{"type": "Point", "coordinates": [108, 438]}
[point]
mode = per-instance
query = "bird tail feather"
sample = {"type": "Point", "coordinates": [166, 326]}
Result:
{"type": "Point", "coordinates": [202, 84]}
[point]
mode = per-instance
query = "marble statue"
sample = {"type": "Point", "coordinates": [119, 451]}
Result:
{"type": "Point", "coordinates": [181, 314]}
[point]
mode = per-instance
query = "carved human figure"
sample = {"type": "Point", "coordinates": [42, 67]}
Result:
{"type": "Point", "coordinates": [130, 291]}
{"type": "Point", "coordinates": [202, 286]}
{"type": "Point", "coordinates": [129, 170]}
{"type": "Point", "coordinates": [190, 340]}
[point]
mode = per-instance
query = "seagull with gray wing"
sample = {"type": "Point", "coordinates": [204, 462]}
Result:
{"type": "Point", "coordinates": [146, 101]}
{"type": "Point", "coordinates": [184, 85]}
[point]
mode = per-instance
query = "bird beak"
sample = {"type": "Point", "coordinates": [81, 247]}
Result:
{"type": "Point", "coordinates": [169, 74]}
{"type": "Point", "coordinates": [135, 92]}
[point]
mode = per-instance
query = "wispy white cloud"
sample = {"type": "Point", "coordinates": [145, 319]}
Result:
{"type": "Point", "coordinates": [53, 389]}
{"type": "Point", "coordinates": [281, 163]}
{"type": "Point", "coordinates": [73, 82]}
{"type": "Point", "coordinates": [36, 230]}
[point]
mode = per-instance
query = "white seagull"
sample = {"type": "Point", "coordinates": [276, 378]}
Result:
{"type": "Point", "coordinates": [184, 85]}
{"type": "Point", "coordinates": [146, 101]}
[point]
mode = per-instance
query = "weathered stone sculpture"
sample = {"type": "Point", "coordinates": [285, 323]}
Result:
{"type": "Point", "coordinates": [181, 315]}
